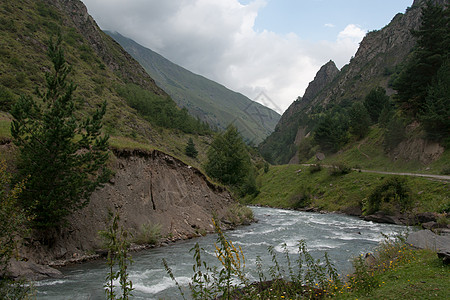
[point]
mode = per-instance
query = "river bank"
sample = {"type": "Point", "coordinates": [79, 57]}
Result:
{"type": "Point", "coordinates": [148, 189]}
{"type": "Point", "coordinates": [319, 189]}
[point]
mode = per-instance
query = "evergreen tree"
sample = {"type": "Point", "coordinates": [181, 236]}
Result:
{"type": "Point", "coordinates": [394, 133]}
{"type": "Point", "coordinates": [61, 171]}
{"type": "Point", "coordinates": [359, 120]}
{"type": "Point", "coordinates": [375, 101]}
{"type": "Point", "coordinates": [331, 132]}
{"type": "Point", "coordinates": [387, 113]}
{"type": "Point", "coordinates": [435, 116]}
{"type": "Point", "coordinates": [229, 161]}
{"type": "Point", "coordinates": [433, 46]}
{"type": "Point", "coordinates": [190, 149]}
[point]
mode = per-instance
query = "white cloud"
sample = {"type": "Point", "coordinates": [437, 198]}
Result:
{"type": "Point", "coordinates": [329, 25]}
{"type": "Point", "coordinates": [217, 40]}
{"type": "Point", "coordinates": [352, 32]}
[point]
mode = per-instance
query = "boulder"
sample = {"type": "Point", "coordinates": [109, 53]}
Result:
{"type": "Point", "coordinates": [380, 217]}
{"type": "Point", "coordinates": [430, 225]}
{"type": "Point", "coordinates": [320, 156]}
{"type": "Point", "coordinates": [31, 271]}
{"type": "Point", "coordinates": [426, 217]}
{"type": "Point", "coordinates": [426, 239]}
{"type": "Point", "coordinates": [445, 256]}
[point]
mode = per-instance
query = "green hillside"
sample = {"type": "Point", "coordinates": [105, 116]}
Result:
{"type": "Point", "coordinates": [139, 113]}
{"type": "Point", "coordinates": [204, 98]}
{"type": "Point", "coordinates": [323, 190]}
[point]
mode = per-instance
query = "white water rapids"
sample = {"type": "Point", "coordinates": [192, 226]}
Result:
{"type": "Point", "coordinates": [342, 237]}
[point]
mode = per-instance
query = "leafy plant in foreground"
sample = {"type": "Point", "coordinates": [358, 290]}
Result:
{"type": "Point", "coordinates": [116, 241]}
{"type": "Point", "coordinates": [12, 229]}
{"type": "Point", "coordinates": [315, 280]}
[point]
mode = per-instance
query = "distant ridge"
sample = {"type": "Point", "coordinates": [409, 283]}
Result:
{"type": "Point", "coordinates": [204, 98]}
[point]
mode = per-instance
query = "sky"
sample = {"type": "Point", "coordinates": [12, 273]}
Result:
{"type": "Point", "coordinates": [268, 50]}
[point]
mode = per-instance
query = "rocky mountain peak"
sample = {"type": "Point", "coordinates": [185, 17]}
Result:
{"type": "Point", "coordinates": [379, 56]}
{"type": "Point", "coordinates": [324, 76]}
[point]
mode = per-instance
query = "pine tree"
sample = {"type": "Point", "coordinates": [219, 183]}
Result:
{"type": "Point", "coordinates": [435, 115]}
{"type": "Point", "coordinates": [331, 132]}
{"type": "Point", "coordinates": [229, 162]}
{"type": "Point", "coordinates": [359, 120]}
{"type": "Point", "coordinates": [190, 149]}
{"type": "Point", "coordinates": [433, 46]}
{"type": "Point", "coordinates": [375, 101]}
{"type": "Point", "coordinates": [62, 159]}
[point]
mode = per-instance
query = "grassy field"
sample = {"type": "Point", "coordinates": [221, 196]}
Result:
{"type": "Point", "coordinates": [293, 186]}
{"type": "Point", "coordinates": [424, 277]}
{"type": "Point", "coordinates": [369, 154]}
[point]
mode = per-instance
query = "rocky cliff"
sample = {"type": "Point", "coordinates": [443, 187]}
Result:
{"type": "Point", "coordinates": [147, 188]}
{"type": "Point", "coordinates": [290, 130]}
{"type": "Point", "coordinates": [378, 56]}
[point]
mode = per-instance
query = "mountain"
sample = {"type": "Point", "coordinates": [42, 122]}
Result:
{"type": "Point", "coordinates": [101, 69]}
{"type": "Point", "coordinates": [204, 98]}
{"type": "Point", "coordinates": [376, 63]}
{"type": "Point", "coordinates": [149, 183]}
{"type": "Point", "coordinates": [281, 146]}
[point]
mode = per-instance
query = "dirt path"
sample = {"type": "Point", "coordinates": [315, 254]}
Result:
{"type": "Point", "coordinates": [440, 177]}
{"type": "Point", "coordinates": [433, 176]}
{"type": "Point", "coordinates": [359, 148]}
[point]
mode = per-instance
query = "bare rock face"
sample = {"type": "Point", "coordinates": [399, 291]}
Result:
{"type": "Point", "coordinates": [418, 149]}
{"type": "Point", "coordinates": [148, 187]}
{"type": "Point", "coordinates": [324, 76]}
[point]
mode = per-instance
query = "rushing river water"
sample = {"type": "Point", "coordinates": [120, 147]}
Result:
{"type": "Point", "coordinates": [343, 237]}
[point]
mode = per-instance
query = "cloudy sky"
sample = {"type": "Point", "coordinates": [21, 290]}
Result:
{"type": "Point", "coordinates": [250, 46]}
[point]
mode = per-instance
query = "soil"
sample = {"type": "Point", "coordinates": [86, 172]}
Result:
{"type": "Point", "coordinates": [148, 187]}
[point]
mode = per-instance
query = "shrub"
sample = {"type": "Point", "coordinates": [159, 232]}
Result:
{"type": "Point", "coordinates": [116, 240]}
{"type": "Point", "coordinates": [340, 169]}
{"type": "Point", "coordinates": [149, 234]}
{"type": "Point", "coordinates": [393, 192]}
{"type": "Point", "coordinates": [315, 168]}
{"type": "Point", "coordinates": [305, 149]}
{"type": "Point", "coordinates": [445, 208]}
{"type": "Point", "coordinates": [395, 133]}
{"type": "Point", "coordinates": [302, 198]}
{"type": "Point", "coordinates": [238, 214]}
{"type": "Point", "coordinates": [445, 170]}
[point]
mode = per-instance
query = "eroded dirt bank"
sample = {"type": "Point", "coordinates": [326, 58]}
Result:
{"type": "Point", "coordinates": [148, 187]}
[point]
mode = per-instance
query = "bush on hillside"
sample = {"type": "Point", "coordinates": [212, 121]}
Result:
{"type": "Point", "coordinates": [305, 149]}
{"type": "Point", "coordinates": [315, 168]}
{"type": "Point", "coordinates": [302, 198]}
{"type": "Point", "coordinates": [340, 169]}
{"type": "Point", "coordinates": [393, 193]}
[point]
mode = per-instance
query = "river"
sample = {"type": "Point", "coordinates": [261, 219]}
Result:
{"type": "Point", "coordinates": [342, 237]}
